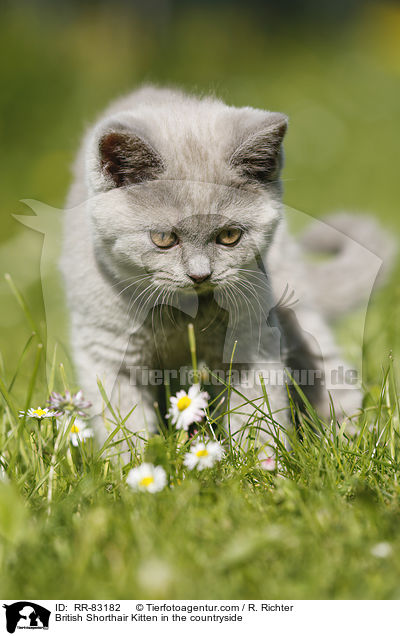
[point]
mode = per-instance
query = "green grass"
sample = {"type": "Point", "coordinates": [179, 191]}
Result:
{"type": "Point", "coordinates": [70, 526]}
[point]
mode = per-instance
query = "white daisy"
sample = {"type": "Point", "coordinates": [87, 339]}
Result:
{"type": "Point", "coordinates": [38, 414]}
{"type": "Point", "coordinates": [187, 408]}
{"type": "Point", "coordinates": [79, 432]}
{"type": "Point", "coordinates": [203, 455]}
{"type": "Point", "coordinates": [147, 478]}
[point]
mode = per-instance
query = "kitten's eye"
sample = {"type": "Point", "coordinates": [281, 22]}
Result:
{"type": "Point", "coordinates": [164, 239]}
{"type": "Point", "coordinates": [230, 236]}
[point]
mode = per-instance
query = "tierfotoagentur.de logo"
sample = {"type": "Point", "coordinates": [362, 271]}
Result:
{"type": "Point", "coordinates": [26, 615]}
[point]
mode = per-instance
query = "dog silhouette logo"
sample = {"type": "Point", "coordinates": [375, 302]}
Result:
{"type": "Point", "coordinates": [26, 615]}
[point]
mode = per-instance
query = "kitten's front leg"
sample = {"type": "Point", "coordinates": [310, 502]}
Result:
{"type": "Point", "coordinates": [104, 360]}
{"type": "Point", "coordinates": [254, 346]}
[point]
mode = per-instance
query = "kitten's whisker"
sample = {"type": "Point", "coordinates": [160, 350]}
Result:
{"type": "Point", "coordinates": [264, 288]}
{"type": "Point", "coordinates": [161, 311]}
{"type": "Point", "coordinates": [247, 305]}
{"type": "Point", "coordinates": [135, 282]}
{"type": "Point", "coordinates": [224, 298]}
{"type": "Point", "coordinates": [248, 287]}
{"type": "Point", "coordinates": [142, 303]}
{"type": "Point", "coordinates": [251, 270]}
{"type": "Point", "coordinates": [155, 305]}
{"type": "Point", "coordinates": [150, 302]}
{"type": "Point", "coordinates": [284, 300]}
{"type": "Point", "coordinates": [167, 304]}
{"type": "Point", "coordinates": [170, 311]}
{"type": "Point", "coordinates": [131, 278]}
{"type": "Point", "coordinates": [255, 271]}
{"type": "Point", "coordinates": [214, 318]}
{"type": "Point", "coordinates": [230, 296]}
{"type": "Point", "coordinates": [136, 298]}
{"type": "Point", "coordinates": [261, 276]}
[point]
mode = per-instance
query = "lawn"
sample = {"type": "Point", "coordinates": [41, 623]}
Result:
{"type": "Point", "coordinates": [324, 522]}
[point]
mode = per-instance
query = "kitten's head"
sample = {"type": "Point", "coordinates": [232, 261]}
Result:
{"type": "Point", "coordinates": [187, 195]}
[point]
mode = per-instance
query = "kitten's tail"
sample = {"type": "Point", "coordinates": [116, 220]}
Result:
{"type": "Point", "coordinates": [362, 253]}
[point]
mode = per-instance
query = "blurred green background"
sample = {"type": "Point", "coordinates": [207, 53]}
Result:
{"type": "Point", "coordinates": [334, 68]}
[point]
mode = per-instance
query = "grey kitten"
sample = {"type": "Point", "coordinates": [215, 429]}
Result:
{"type": "Point", "coordinates": [175, 216]}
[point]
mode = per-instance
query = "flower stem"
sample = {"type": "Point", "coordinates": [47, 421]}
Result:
{"type": "Point", "coordinates": [192, 345]}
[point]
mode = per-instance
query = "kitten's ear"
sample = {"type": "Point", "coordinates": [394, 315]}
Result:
{"type": "Point", "coordinates": [118, 154]}
{"type": "Point", "coordinates": [127, 158]}
{"type": "Point", "coordinates": [259, 155]}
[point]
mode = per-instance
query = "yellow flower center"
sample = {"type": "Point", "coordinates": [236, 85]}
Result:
{"type": "Point", "coordinates": [202, 453]}
{"type": "Point", "coordinates": [146, 481]}
{"type": "Point", "coordinates": [39, 412]}
{"type": "Point", "coordinates": [183, 402]}
{"type": "Point", "coordinates": [74, 429]}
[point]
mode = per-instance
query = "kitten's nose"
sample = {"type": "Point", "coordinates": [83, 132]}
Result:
{"type": "Point", "coordinates": [199, 278]}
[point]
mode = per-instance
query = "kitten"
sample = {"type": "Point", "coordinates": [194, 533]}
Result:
{"type": "Point", "coordinates": [175, 216]}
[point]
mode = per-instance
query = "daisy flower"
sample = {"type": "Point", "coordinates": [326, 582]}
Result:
{"type": "Point", "coordinates": [203, 455]}
{"type": "Point", "coordinates": [187, 408]}
{"type": "Point", "coordinates": [38, 414]}
{"type": "Point", "coordinates": [79, 432]}
{"type": "Point", "coordinates": [147, 478]}
{"type": "Point", "coordinates": [69, 403]}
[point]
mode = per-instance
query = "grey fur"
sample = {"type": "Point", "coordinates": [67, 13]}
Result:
{"type": "Point", "coordinates": [202, 166]}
